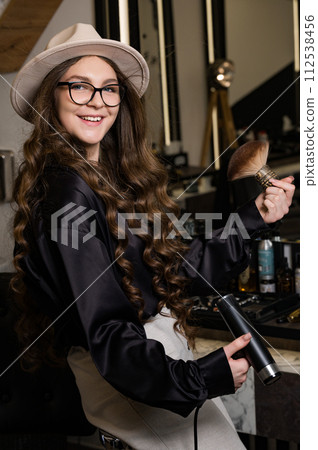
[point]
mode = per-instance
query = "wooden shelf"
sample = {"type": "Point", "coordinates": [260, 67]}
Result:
{"type": "Point", "coordinates": [21, 25]}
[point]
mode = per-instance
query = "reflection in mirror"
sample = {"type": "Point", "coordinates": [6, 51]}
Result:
{"type": "Point", "coordinates": [149, 46]}
{"type": "Point", "coordinates": [148, 26]}
{"type": "Point", "coordinates": [158, 48]}
{"type": "Point", "coordinates": [141, 31]}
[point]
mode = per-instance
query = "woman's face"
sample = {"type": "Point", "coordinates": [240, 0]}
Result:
{"type": "Point", "coordinates": [90, 122]}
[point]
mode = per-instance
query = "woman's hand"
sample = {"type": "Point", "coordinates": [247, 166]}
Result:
{"type": "Point", "coordinates": [239, 367]}
{"type": "Point", "coordinates": [274, 203]}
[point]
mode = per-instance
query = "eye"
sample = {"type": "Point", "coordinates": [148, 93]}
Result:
{"type": "Point", "coordinates": [80, 87]}
{"type": "Point", "coordinates": [111, 89]}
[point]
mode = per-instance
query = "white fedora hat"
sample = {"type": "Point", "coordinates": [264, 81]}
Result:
{"type": "Point", "coordinates": [77, 40]}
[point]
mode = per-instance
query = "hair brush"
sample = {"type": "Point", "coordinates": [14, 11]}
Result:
{"type": "Point", "coordinates": [250, 160]}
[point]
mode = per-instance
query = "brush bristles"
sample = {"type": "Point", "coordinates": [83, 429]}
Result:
{"type": "Point", "coordinates": [247, 160]}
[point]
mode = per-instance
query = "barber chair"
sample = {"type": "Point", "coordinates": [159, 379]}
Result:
{"type": "Point", "coordinates": [37, 411]}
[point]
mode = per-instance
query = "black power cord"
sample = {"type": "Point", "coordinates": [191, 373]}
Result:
{"type": "Point", "coordinates": [195, 428]}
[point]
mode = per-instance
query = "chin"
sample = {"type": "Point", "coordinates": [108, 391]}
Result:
{"type": "Point", "coordinates": [91, 142]}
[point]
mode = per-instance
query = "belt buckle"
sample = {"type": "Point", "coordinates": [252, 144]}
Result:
{"type": "Point", "coordinates": [110, 441]}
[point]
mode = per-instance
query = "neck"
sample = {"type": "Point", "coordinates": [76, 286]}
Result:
{"type": "Point", "coordinates": [93, 152]}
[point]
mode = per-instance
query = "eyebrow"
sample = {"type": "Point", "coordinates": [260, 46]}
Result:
{"type": "Point", "coordinates": [84, 78]}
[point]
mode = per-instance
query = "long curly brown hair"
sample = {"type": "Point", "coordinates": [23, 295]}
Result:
{"type": "Point", "coordinates": [128, 164]}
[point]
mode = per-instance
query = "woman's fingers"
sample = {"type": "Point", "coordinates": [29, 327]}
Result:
{"type": "Point", "coordinates": [237, 344]}
{"type": "Point", "coordinates": [239, 367]}
{"type": "Point", "coordinates": [274, 204]}
{"type": "Point", "coordinates": [286, 185]}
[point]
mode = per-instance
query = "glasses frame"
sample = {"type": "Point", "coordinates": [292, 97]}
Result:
{"type": "Point", "coordinates": [122, 90]}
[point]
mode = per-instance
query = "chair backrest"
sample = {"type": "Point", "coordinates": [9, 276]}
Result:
{"type": "Point", "coordinates": [47, 401]}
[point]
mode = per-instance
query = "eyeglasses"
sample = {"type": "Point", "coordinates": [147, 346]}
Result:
{"type": "Point", "coordinates": [82, 92]}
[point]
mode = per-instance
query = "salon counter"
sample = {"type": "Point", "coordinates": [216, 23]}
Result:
{"type": "Point", "coordinates": [271, 411]}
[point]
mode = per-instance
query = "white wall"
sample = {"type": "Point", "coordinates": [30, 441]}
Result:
{"type": "Point", "coordinates": [259, 40]}
{"type": "Point", "coordinates": [13, 129]}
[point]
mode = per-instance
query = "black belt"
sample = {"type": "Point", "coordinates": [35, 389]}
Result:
{"type": "Point", "coordinates": [110, 441]}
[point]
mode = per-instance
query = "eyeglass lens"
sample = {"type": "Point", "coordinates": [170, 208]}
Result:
{"type": "Point", "coordinates": [82, 93]}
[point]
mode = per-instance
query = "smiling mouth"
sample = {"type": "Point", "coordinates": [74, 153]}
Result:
{"type": "Point", "coordinates": [92, 119]}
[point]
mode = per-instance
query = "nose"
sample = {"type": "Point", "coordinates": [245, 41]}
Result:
{"type": "Point", "coordinates": [97, 100]}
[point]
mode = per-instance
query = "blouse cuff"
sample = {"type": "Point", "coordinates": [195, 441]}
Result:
{"type": "Point", "coordinates": [217, 373]}
{"type": "Point", "coordinates": [252, 219]}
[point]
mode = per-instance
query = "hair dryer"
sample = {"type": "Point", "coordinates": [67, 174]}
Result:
{"type": "Point", "coordinates": [255, 352]}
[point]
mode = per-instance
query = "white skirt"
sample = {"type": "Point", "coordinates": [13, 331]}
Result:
{"type": "Point", "coordinates": [144, 427]}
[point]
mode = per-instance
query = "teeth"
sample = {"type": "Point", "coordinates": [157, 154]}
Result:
{"type": "Point", "coordinates": [92, 119]}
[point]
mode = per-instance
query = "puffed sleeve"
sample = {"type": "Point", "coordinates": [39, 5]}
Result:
{"type": "Point", "coordinates": [210, 263]}
{"type": "Point", "coordinates": [78, 260]}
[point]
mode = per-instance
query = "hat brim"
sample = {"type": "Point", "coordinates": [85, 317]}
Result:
{"type": "Point", "coordinates": [129, 61]}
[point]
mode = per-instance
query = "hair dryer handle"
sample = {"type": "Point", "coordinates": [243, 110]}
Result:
{"type": "Point", "coordinates": [255, 352]}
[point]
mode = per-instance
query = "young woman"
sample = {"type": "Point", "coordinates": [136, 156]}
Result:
{"type": "Point", "coordinates": [118, 307]}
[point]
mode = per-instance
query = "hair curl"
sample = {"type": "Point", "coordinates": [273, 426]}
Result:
{"type": "Point", "coordinates": [126, 163]}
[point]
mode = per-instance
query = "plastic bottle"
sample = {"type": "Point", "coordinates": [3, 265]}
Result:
{"type": "Point", "coordinates": [266, 268]}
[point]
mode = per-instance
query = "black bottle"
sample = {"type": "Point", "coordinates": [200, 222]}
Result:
{"type": "Point", "coordinates": [284, 278]}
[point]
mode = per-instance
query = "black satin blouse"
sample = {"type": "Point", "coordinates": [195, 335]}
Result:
{"type": "Point", "coordinates": [82, 288]}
